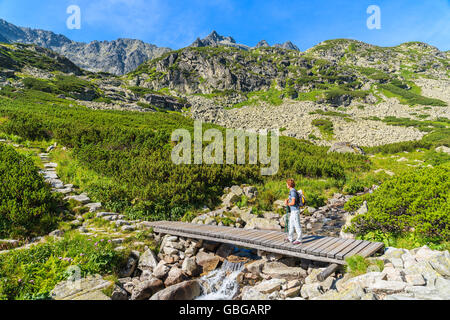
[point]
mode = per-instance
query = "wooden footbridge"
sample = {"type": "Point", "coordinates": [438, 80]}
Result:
{"type": "Point", "coordinates": [316, 248]}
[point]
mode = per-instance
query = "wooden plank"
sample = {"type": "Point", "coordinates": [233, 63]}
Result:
{"type": "Point", "coordinates": [265, 236]}
{"type": "Point", "coordinates": [325, 240]}
{"type": "Point", "coordinates": [319, 249]}
{"type": "Point", "coordinates": [277, 242]}
{"type": "Point", "coordinates": [325, 251]}
{"type": "Point", "coordinates": [343, 252]}
{"type": "Point", "coordinates": [357, 249]}
{"type": "Point", "coordinates": [310, 242]}
{"type": "Point", "coordinates": [270, 239]}
{"type": "Point", "coordinates": [371, 249]}
{"type": "Point", "coordinates": [332, 253]}
{"type": "Point", "coordinates": [247, 235]}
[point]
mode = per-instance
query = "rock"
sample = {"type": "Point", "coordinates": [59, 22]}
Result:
{"type": "Point", "coordinates": [415, 280]}
{"type": "Point", "coordinates": [146, 289]}
{"type": "Point", "coordinates": [132, 262]}
{"type": "Point", "coordinates": [161, 270]}
{"type": "Point", "coordinates": [279, 204]}
{"type": "Point", "coordinates": [250, 192]}
{"type": "Point", "coordinates": [146, 275]}
{"type": "Point", "coordinates": [82, 198]}
{"type": "Point", "coordinates": [269, 286]}
{"type": "Point", "coordinates": [393, 274]}
{"type": "Point", "coordinates": [364, 280]}
{"type": "Point", "coordinates": [352, 292]}
{"type": "Point", "coordinates": [128, 228]}
{"type": "Point", "coordinates": [255, 267]}
{"type": "Point", "coordinates": [391, 252]}
{"type": "Point", "coordinates": [76, 223]}
{"type": "Point", "coordinates": [148, 260]}
{"type": "Point", "coordinates": [236, 190]}
{"type": "Point", "coordinates": [224, 250]}
{"type": "Point", "coordinates": [400, 297]}
{"type": "Point", "coordinates": [89, 288]}
{"type": "Point", "coordinates": [230, 199]}
{"type": "Point", "coordinates": [56, 233]}
{"type": "Point", "coordinates": [170, 251]}
{"type": "Point", "coordinates": [93, 207]}
{"type": "Point", "coordinates": [424, 293]}
{"type": "Point", "coordinates": [292, 292]}
{"type": "Point", "coordinates": [210, 245]}
{"type": "Point", "coordinates": [119, 294]}
{"type": "Point", "coordinates": [292, 284]}
{"type": "Point", "coordinates": [443, 149]}
{"type": "Point", "coordinates": [271, 216]}
{"type": "Point", "coordinates": [345, 147]}
{"type": "Point", "coordinates": [190, 267]}
{"type": "Point", "coordinates": [423, 268]}
{"type": "Point", "coordinates": [263, 224]}
{"type": "Point", "coordinates": [50, 165]}
{"type": "Point", "coordinates": [105, 214]}
{"type": "Point", "coordinates": [311, 290]}
{"type": "Point", "coordinates": [363, 209]}
{"type": "Point", "coordinates": [175, 245]}
{"type": "Point", "coordinates": [269, 256]}
{"type": "Point", "coordinates": [281, 271]}
{"type": "Point", "coordinates": [387, 287]}
{"type": "Point", "coordinates": [424, 254]}
{"type": "Point", "coordinates": [441, 264]}
{"type": "Point", "coordinates": [188, 290]}
{"type": "Point", "coordinates": [208, 261]}
{"type": "Point", "coordinates": [175, 276]}
{"type": "Point", "coordinates": [248, 293]}
{"type": "Point", "coordinates": [10, 244]}
{"type": "Point", "coordinates": [443, 286]}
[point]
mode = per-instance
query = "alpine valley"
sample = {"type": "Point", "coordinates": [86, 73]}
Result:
{"type": "Point", "coordinates": [85, 165]}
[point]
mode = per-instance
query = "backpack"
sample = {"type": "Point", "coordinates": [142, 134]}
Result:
{"type": "Point", "coordinates": [301, 198]}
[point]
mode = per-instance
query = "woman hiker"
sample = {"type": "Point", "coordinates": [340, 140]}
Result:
{"type": "Point", "coordinates": [293, 203]}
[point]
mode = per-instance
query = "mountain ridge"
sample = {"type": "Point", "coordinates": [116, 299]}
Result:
{"type": "Point", "coordinates": [116, 57]}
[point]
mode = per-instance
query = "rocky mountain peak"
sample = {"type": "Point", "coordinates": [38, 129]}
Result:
{"type": "Point", "coordinates": [262, 44]}
{"type": "Point", "coordinates": [117, 57]}
{"type": "Point", "coordinates": [214, 39]}
{"type": "Point", "coordinates": [288, 45]}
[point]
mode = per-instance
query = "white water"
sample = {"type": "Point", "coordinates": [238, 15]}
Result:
{"type": "Point", "coordinates": [221, 284]}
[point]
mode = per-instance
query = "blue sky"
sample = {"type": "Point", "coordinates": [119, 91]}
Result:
{"type": "Point", "coordinates": [178, 23]}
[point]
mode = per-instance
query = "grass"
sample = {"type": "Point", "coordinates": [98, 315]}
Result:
{"type": "Point", "coordinates": [408, 97]}
{"type": "Point", "coordinates": [326, 128]}
{"type": "Point", "coordinates": [358, 265]}
{"type": "Point", "coordinates": [30, 274]}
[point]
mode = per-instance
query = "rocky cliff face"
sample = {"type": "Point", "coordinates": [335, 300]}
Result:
{"type": "Point", "coordinates": [216, 40]}
{"type": "Point", "coordinates": [117, 57]}
{"type": "Point", "coordinates": [212, 69]}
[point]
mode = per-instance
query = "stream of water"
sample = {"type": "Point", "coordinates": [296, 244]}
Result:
{"type": "Point", "coordinates": [221, 284]}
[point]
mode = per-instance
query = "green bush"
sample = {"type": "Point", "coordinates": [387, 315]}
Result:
{"type": "Point", "coordinates": [416, 201]}
{"type": "Point", "coordinates": [37, 84]}
{"type": "Point", "coordinates": [27, 206]}
{"type": "Point", "coordinates": [32, 273]}
{"type": "Point", "coordinates": [358, 265]}
{"type": "Point", "coordinates": [411, 98]}
{"type": "Point", "coordinates": [325, 126]}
